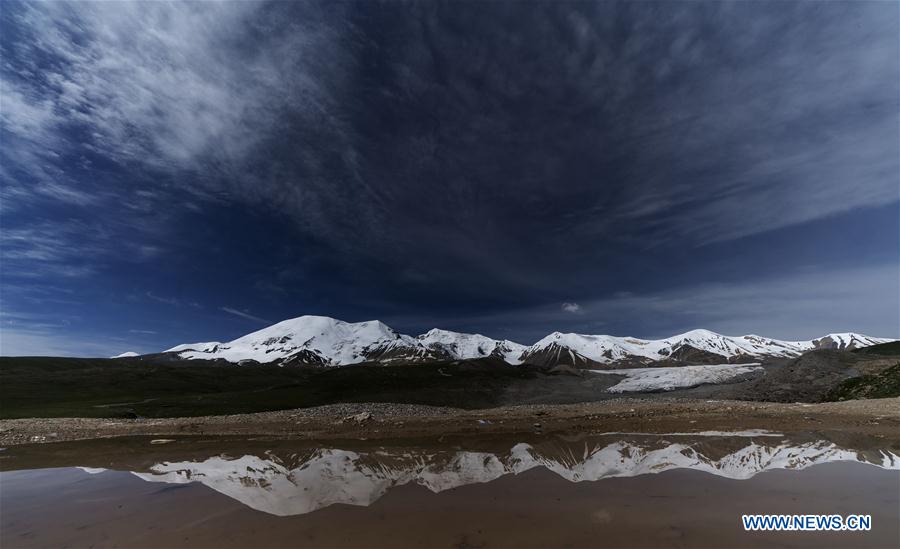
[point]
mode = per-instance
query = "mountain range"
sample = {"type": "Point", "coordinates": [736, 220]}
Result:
{"type": "Point", "coordinates": [324, 341]}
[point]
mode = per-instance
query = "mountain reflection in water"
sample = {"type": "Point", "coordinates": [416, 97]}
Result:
{"type": "Point", "coordinates": [292, 478]}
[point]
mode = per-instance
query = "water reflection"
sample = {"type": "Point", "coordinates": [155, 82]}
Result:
{"type": "Point", "coordinates": [291, 478]}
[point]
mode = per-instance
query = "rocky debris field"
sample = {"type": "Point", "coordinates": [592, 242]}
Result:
{"type": "Point", "coordinates": [384, 420]}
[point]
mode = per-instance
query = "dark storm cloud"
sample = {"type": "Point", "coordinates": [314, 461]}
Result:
{"type": "Point", "coordinates": [443, 155]}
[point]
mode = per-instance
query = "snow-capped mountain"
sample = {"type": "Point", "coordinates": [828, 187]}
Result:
{"type": "Point", "coordinates": [464, 346]}
{"type": "Point", "coordinates": [315, 340]}
{"type": "Point", "coordinates": [310, 480]}
{"type": "Point", "coordinates": [324, 341]}
{"type": "Point", "coordinates": [694, 347]}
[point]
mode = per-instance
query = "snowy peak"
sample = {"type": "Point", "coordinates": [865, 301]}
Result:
{"type": "Point", "coordinates": [318, 340]}
{"type": "Point", "coordinates": [325, 341]}
{"type": "Point", "coordinates": [693, 347]}
{"type": "Point", "coordinates": [846, 340]}
{"type": "Point", "coordinates": [464, 346]}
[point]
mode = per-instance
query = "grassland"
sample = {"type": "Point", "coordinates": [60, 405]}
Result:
{"type": "Point", "coordinates": [163, 387]}
{"type": "Point", "coordinates": [121, 388]}
{"type": "Point", "coordinates": [881, 385]}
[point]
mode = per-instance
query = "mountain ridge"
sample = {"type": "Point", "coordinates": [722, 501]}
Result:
{"type": "Point", "coordinates": [325, 341]}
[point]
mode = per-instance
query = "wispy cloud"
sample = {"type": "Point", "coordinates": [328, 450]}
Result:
{"type": "Point", "coordinates": [173, 301]}
{"type": "Point", "coordinates": [245, 315]}
{"type": "Point", "coordinates": [167, 300]}
{"type": "Point", "coordinates": [156, 83]}
{"type": "Point", "coordinates": [119, 80]}
{"type": "Point", "coordinates": [788, 135]}
{"type": "Point", "coordinates": [537, 151]}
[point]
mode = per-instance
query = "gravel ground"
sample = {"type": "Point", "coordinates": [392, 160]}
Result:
{"type": "Point", "coordinates": [880, 417]}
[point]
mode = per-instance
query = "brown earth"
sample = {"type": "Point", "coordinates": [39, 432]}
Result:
{"type": "Point", "coordinates": [878, 417]}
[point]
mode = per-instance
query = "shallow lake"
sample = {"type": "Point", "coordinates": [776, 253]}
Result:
{"type": "Point", "coordinates": [609, 490]}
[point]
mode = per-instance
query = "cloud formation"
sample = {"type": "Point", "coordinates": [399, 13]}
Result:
{"type": "Point", "coordinates": [370, 158]}
{"type": "Point", "coordinates": [751, 128]}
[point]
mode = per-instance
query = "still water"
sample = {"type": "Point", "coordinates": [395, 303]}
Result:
{"type": "Point", "coordinates": [611, 490]}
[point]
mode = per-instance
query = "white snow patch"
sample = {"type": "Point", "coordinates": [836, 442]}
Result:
{"type": "Point", "coordinates": [749, 433]}
{"type": "Point", "coordinates": [127, 354]}
{"type": "Point", "coordinates": [92, 470]}
{"type": "Point", "coordinates": [669, 379]}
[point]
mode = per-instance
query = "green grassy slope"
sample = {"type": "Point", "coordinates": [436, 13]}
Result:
{"type": "Point", "coordinates": [881, 385]}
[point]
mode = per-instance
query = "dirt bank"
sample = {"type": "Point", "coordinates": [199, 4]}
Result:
{"type": "Point", "coordinates": [875, 417]}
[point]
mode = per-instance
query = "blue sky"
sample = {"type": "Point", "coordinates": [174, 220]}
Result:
{"type": "Point", "coordinates": [189, 172]}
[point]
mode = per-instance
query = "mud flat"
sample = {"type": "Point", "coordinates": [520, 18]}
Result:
{"type": "Point", "coordinates": [880, 417]}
